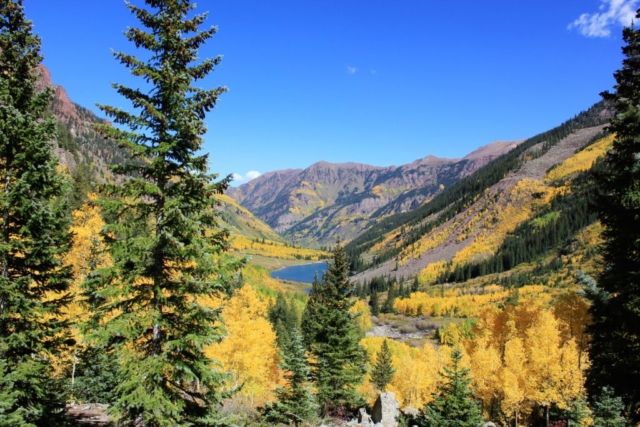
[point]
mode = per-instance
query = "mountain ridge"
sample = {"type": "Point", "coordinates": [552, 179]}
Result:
{"type": "Point", "coordinates": [315, 205]}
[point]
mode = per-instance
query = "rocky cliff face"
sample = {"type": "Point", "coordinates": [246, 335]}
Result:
{"type": "Point", "coordinates": [77, 141]}
{"type": "Point", "coordinates": [315, 205]}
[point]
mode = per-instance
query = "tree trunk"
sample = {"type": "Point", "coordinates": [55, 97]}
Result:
{"type": "Point", "coordinates": [546, 415]}
{"type": "Point", "coordinates": [73, 371]}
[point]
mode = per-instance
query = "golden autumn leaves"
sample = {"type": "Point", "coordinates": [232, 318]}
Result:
{"type": "Point", "coordinates": [520, 356]}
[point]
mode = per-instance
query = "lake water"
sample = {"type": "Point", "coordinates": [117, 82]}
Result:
{"type": "Point", "coordinates": [300, 273]}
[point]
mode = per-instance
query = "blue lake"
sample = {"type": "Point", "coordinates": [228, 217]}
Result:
{"type": "Point", "coordinates": [300, 273]}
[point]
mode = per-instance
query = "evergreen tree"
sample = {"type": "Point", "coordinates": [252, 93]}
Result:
{"type": "Point", "coordinates": [167, 249]}
{"type": "Point", "coordinates": [295, 403]}
{"type": "Point", "coordinates": [33, 233]}
{"type": "Point", "coordinates": [607, 410]}
{"type": "Point", "coordinates": [415, 285]}
{"type": "Point", "coordinates": [283, 317]}
{"type": "Point", "coordinates": [578, 413]}
{"type": "Point", "coordinates": [383, 371]}
{"type": "Point", "coordinates": [95, 377]}
{"type": "Point", "coordinates": [310, 316]}
{"type": "Point", "coordinates": [454, 404]}
{"type": "Point", "coordinates": [387, 307]}
{"type": "Point", "coordinates": [373, 302]}
{"type": "Point", "coordinates": [616, 318]}
{"type": "Point", "coordinates": [332, 339]}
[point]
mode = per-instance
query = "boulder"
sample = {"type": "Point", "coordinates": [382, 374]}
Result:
{"type": "Point", "coordinates": [364, 419]}
{"type": "Point", "coordinates": [411, 412]}
{"type": "Point", "coordinates": [386, 410]}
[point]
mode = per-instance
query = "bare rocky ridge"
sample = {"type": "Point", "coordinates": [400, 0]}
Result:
{"type": "Point", "coordinates": [494, 198]}
{"type": "Point", "coordinates": [316, 205]}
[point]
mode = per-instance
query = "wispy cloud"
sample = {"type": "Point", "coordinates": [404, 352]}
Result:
{"type": "Point", "coordinates": [372, 71]}
{"type": "Point", "coordinates": [611, 12]}
{"type": "Point", "coordinates": [241, 179]}
{"type": "Point", "coordinates": [351, 70]}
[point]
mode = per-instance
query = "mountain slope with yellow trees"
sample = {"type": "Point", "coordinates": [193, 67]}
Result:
{"type": "Point", "coordinates": [496, 218]}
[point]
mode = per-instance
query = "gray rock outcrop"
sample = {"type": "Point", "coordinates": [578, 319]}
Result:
{"type": "Point", "coordinates": [386, 410]}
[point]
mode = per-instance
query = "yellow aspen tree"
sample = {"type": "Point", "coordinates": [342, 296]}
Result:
{"type": "Point", "coordinates": [248, 349]}
{"type": "Point", "coordinates": [572, 374]}
{"type": "Point", "coordinates": [417, 376]}
{"type": "Point", "coordinates": [486, 365]}
{"type": "Point", "coordinates": [85, 256]}
{"type": "Point", "coordinates": [573, 312]}
{"type": "Point", "coordinates": [542, 344]}
{"type": "Point", "coordinates": [513, 377]}
{"type": "Point", "coordinates": [361, 309]}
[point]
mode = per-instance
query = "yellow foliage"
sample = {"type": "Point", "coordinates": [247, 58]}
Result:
{"type": "Point", "coordinates": [248, 349]}
{"type": "Point", "coordinates": [431, 272]}
{"type": "Point", "coordinates": [260, 277]}
{"type": "Point", "coordinates": [581, 161]}
{"type": "Point", "coordinates": [520, 355]}
{"type": "Point", "coordinates": [364, 316]}
{"type": "Point", "coordinates": [431, 240]}
{"type": "Point", "coordinates": [417, 371]}
{"type": "Point", "coordinates": [86, 254]}
{"type": "Point", "coordinates": [573, 312]}
{"type": "Point", "coordinates": [253, 223]}
{"type": "Point", "coordinates": [513, 377]}
{"type": "Point", "coordinates": [248, 246]}
{"type": "Point", "coordinates": [456, 304]}
{"type": "Point", "coordinates": [523, 200]}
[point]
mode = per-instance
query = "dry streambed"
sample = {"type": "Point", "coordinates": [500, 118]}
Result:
{"type": "Point", "coordinates": [411, 330]}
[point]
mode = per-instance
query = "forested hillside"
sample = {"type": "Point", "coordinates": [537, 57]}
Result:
{"type": "Point", "coordinates": [469, 221]}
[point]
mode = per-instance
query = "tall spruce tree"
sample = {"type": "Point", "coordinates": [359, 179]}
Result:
{"type": "Point", "coordinates": [34, 236]}
{"type": "Point", "coordinates": [454, 404]}
{"type": "Point", "coordinates": [615, 348]}
{"type": "Point", "coordinates": [167, 249]}
{"type": "Point", "coordinates": [295, 403]}
{"type": "Point", "coordinates": [332, 339]}
{"type": "Point", "coordinates": [383, 370]}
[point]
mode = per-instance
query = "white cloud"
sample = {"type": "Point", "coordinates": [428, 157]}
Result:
{"type": "Point", "coordinates": [611, 12]}
{"type": "Point", "coordinates": [372, 71]}
{"type": "Point", "coordinates": [240, 179]}
{"type": "Point", "coordinates": [351, 70]}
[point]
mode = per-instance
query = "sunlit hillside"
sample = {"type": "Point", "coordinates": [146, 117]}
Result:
{"type": "Point", "coordinates": [513, 211]}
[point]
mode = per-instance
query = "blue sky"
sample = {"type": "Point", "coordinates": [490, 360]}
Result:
{"type": "Point", "coordinates": [382, 82]}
